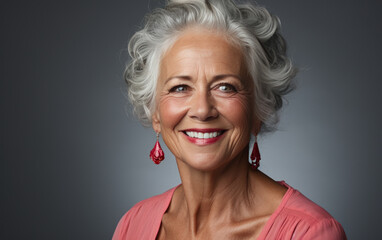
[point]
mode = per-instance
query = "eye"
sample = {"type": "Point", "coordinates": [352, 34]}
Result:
{"type": "Point", "coordinates": [226, 87]}
{"type": "Point", "coordinates": [179, 88]}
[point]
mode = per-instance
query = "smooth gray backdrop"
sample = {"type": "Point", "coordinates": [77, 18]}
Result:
{"type": "Point", "coordinates": [73, 159]}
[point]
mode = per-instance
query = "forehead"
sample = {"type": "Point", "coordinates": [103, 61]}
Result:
{"type": "Point", "coordinates": [197, 48]}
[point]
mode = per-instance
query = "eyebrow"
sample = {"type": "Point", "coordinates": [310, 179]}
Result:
{"type": "Point", "coordinates": [184, 77]}
{"type": "Point", "coordinates": [215, 78]}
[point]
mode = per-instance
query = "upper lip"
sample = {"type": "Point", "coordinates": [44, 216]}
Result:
{"type": "Point", "coordinates": [203, 130]}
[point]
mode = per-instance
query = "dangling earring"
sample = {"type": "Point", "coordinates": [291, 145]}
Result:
{"type": "Point", "coordinates": [255, 156]}
{"type": "Point", "coordinates": [157, 154]}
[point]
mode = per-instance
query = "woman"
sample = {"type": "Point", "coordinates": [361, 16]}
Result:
{"type": "Point", "coordinates": [207, 75]}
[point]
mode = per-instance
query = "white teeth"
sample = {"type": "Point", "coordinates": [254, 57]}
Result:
{"type": "Point", "coordinates": [203, 135]}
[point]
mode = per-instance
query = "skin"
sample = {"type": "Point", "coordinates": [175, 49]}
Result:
{"type": "Point", "coordinates": [204, 84]}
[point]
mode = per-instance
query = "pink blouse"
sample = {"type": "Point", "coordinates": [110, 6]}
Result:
{"type": "Point", "coordinates": [295, 218]}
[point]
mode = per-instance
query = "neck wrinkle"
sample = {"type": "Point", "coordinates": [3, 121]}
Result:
{"type": "Point", "coordinates": [209, 194]}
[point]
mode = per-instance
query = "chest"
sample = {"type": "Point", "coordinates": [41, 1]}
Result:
{"type": "Point", "coordinates": [175, 228]}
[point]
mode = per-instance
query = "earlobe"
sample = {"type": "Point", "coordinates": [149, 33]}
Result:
{"type": "Point", "coordinates": [155, 119]}
{"type": "Point", "coordinates": [256, 126]}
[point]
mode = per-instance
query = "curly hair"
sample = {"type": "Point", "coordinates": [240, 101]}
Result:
{"type": "Point", "coordinates": [248, 26]}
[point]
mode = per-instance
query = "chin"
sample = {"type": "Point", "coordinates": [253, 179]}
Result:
{"type": "Point", "coordinates": [205, 163]}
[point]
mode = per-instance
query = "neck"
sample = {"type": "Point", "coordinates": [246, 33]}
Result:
{"type": "Point", "coordinates": [212, 196]}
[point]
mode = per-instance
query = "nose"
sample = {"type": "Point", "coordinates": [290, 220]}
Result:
{"type": "Point", "coordinates": [202, 107]}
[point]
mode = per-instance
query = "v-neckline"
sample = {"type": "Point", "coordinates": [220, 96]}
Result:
{"type": "Point", "coordinates": [267, 225]}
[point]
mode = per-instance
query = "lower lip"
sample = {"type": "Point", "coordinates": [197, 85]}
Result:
{"type": "Point", "coordinates": [203, 141]}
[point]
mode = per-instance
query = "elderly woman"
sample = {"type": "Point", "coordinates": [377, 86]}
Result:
{"type": "Point", "coordinates": [207, 75]}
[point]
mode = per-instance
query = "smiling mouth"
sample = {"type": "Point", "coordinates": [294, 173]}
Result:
{"type": "Point", "coordinates": [203, 134]}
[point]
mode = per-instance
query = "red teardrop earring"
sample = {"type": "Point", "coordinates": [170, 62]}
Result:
{"type": "Point", "coordinates": [157, 154]}
{"type": "Point", "coordinates": [255, 156]}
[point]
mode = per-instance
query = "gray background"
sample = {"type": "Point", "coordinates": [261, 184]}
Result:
{"type": "Point", "coordinates": [73, 160]}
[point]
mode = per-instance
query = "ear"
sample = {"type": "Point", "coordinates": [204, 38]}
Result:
{"type": "Point", "coordinates": [155, 121]}
{"type": "Point", "coordinates": [256, 126]}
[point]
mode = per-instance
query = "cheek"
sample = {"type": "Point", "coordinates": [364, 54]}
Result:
{"type": "Point", "coordinates": [238, 111]}
{"type": "Point", "coordinates": [171, 110]}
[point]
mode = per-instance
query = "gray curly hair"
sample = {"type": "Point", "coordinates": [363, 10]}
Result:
{"type": "Point", "coordinates": [249, 26]}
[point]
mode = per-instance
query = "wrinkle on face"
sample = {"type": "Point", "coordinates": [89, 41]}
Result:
{"type": "Point", "coordinates": [201, 59]}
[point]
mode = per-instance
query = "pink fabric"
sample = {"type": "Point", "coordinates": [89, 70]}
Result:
{"type": "Point", "coordinates": [296, 218]}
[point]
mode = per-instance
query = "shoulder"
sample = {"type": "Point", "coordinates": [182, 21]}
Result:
{"type": "Point", "coordinates": [155, 203]}
{"type": "Point", "coordinates": [314, 221]}
{"type": "Point", "coordinates": [300, 206]}
{"type": "Point", "coordinates": [144, 217]}
{"type": "Point", "coordinates": [301, 218]}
